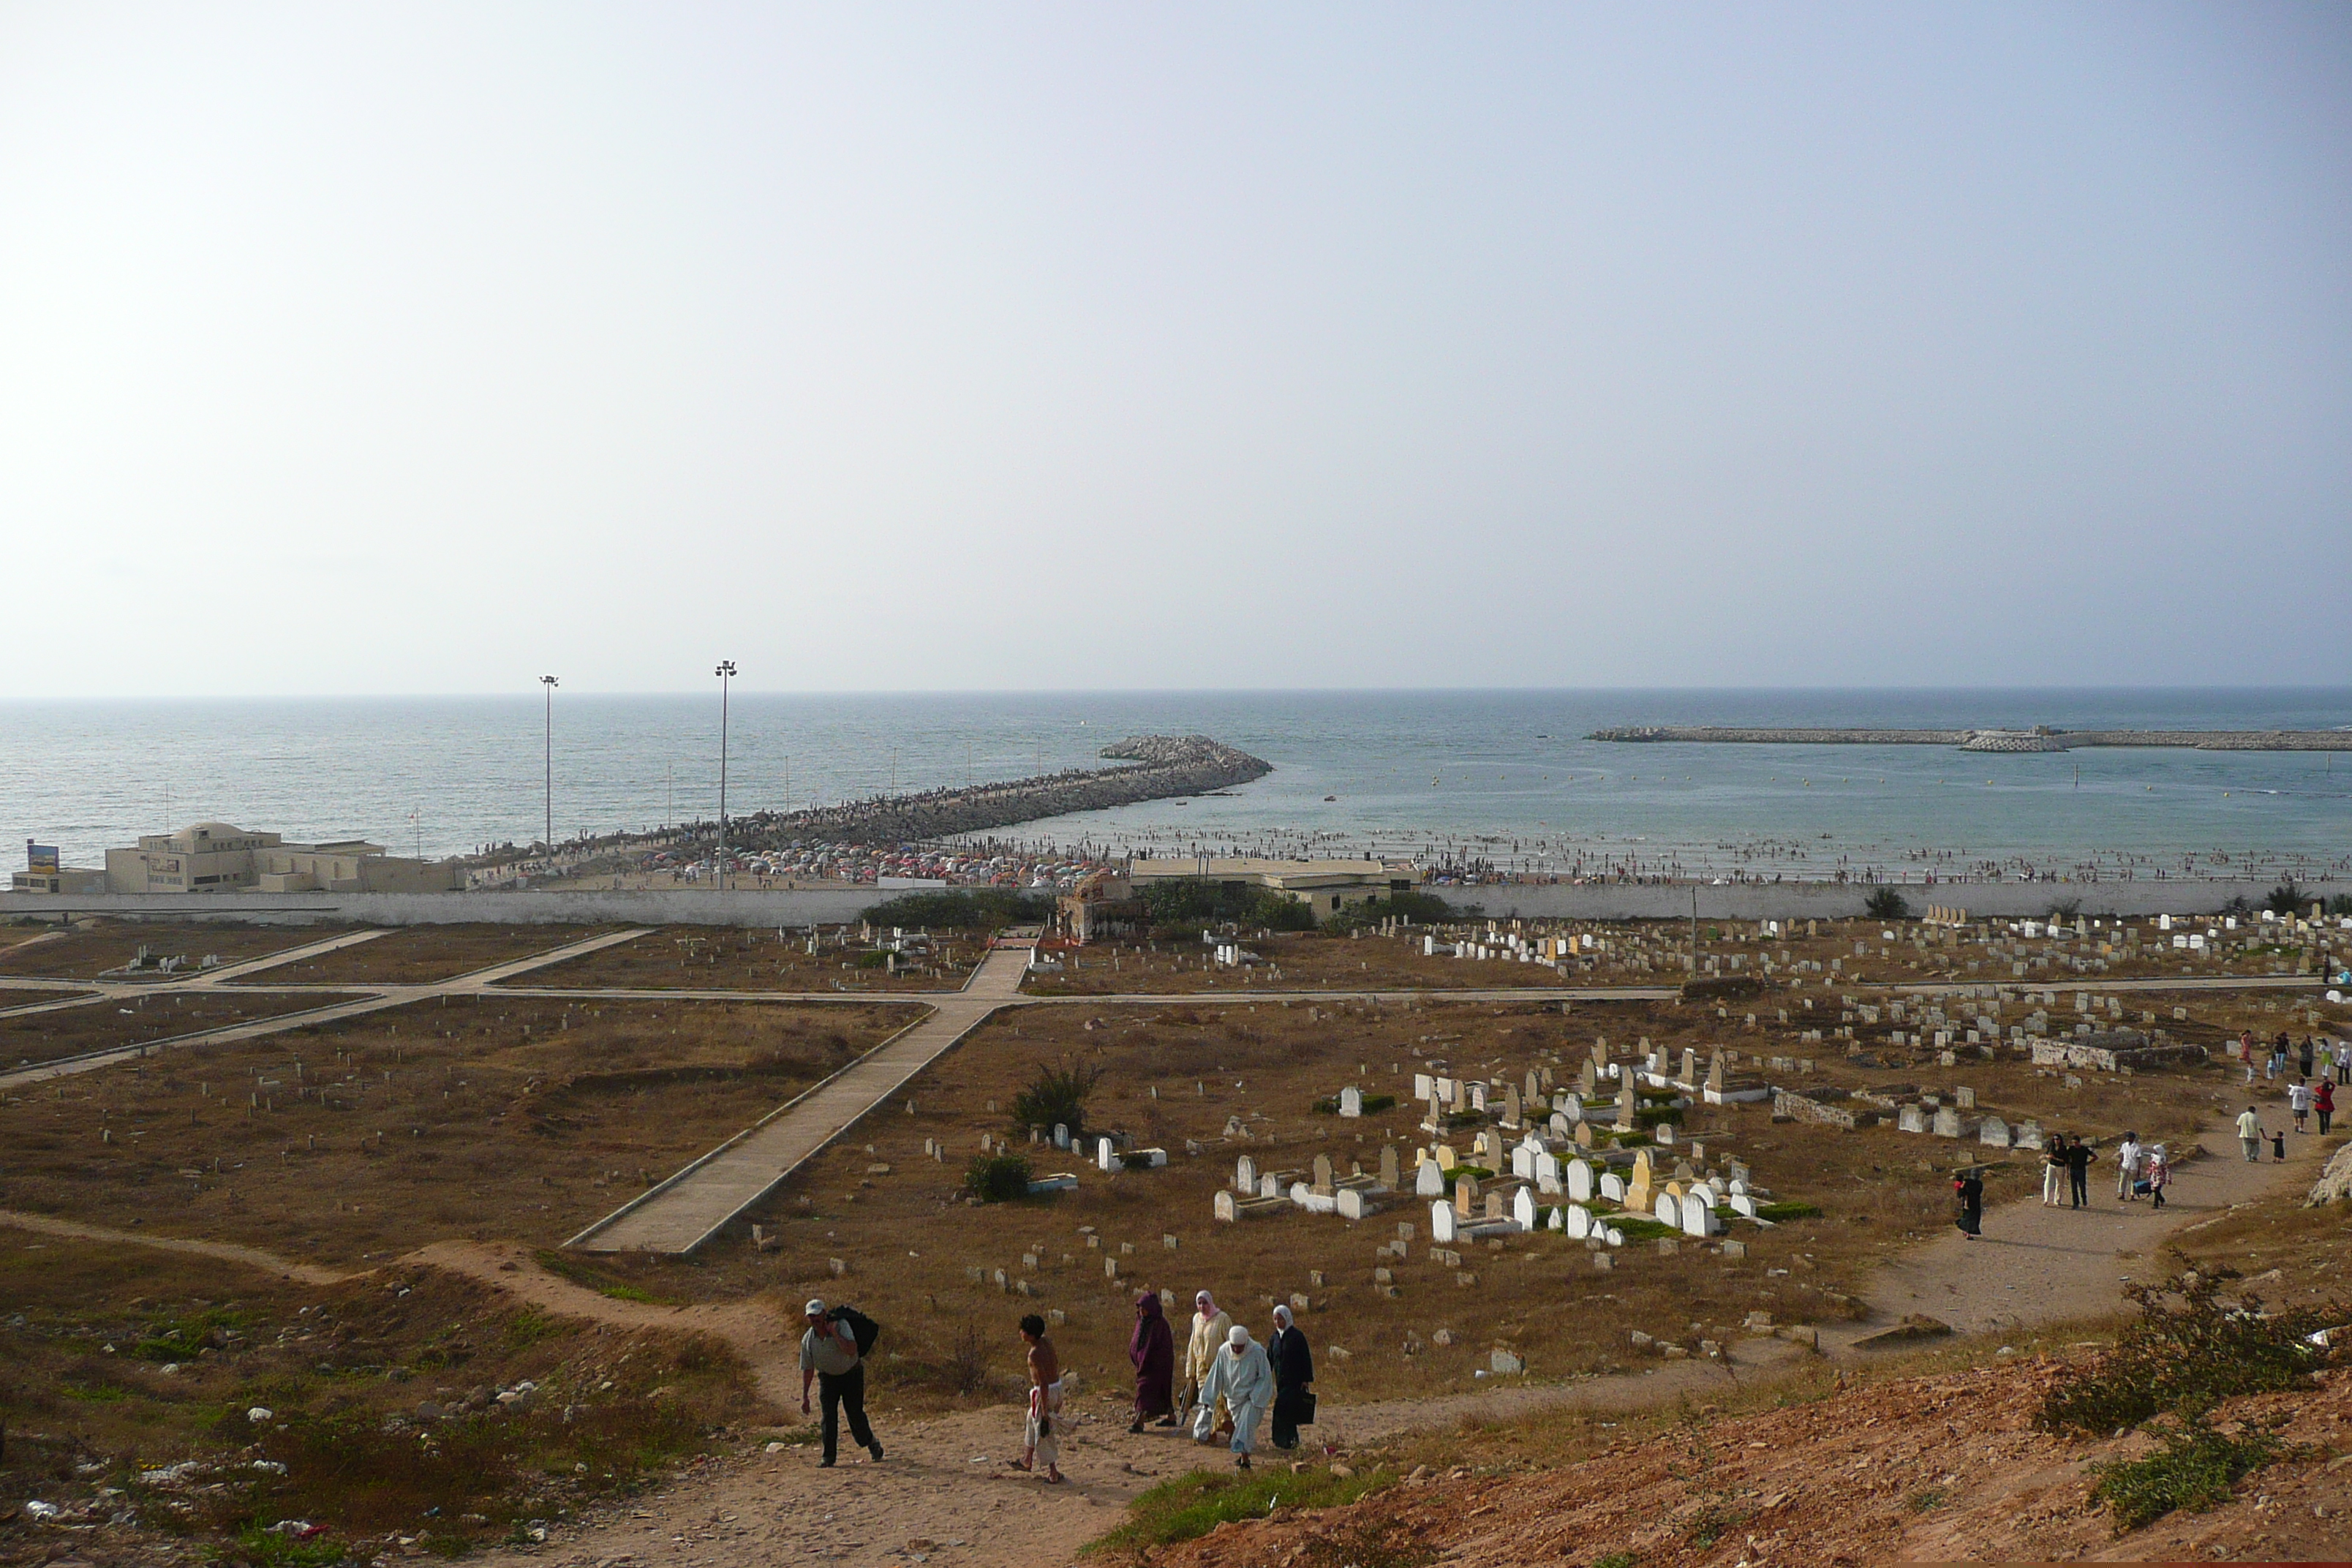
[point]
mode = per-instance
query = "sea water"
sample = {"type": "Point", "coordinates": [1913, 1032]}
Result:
{"type": "Point", "coordinates": [1497, 778]}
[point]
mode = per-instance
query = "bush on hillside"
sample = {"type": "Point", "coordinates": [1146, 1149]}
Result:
{"type": "Point", "coordinates": [1887, 904]}
{"type": "Point", "coordinates": [2286, 897]}
{"type": "Point", "coordinates": [997, 1178]}
{"type": "Point", "coordinates": [1183, 905]}
{"type": "Point", "coordinates": [1056, 1097]}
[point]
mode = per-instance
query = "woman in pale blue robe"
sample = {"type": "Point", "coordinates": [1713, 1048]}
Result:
{"type": "Point", "coordinates": [1241, 1376]}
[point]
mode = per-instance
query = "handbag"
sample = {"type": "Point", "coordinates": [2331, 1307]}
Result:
{"type": "Point", "coordinates": [1307, 1408]}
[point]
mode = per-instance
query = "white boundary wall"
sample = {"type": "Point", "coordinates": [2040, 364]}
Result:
{"type": "Point", "coordinates": [1790, 900]}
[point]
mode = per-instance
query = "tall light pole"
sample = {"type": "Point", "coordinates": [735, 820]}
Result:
{"type": "Point", "coordinates": [548, 681]}
{"type": "Point", "coordinates": [726, 673]}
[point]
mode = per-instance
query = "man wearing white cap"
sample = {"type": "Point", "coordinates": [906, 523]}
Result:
{"type": "Point", "coordinates": [1239, 1375]}
{"type": "Point", "coordinates": [829, 1354]}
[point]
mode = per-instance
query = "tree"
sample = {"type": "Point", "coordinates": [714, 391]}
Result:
{"type": "Point", "coordinates": [1887, 904]}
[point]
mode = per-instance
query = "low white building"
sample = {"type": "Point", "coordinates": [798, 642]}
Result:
{"type": "Point", "coordinates": [219, 858]}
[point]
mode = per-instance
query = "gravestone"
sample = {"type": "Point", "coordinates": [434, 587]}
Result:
{"type": "Point", "coordinates": [1580, 1181]}
{"type": "Point", "coordinates": [1523, 1209]}
{"type": "Point", "coordinates": [1994, 1132]}
{"type": "Point", "coordinates": [1428, 1180]}
{"type": "Point", "coordinates": [1548, 1173]}
{"type": "Point", "coordinates": [1351, 1102]}
{"type": "Point", "coordinates": [1245, 1176]}
{"type": "Point", "coordinates": [1698, 1217]}
{"type": "Point", "coordinates": [1690, 1066]}
{"type": "Point", "coordinates": [1666, 1209]}
{"type": "Point", "coordinates": [1322, 1184]}
{"type": "Point", "coordinates": [1612, 1186]}
{"type": "Point", "coordinates": [1466, 1195]}
{"type": "Point", "coordinates": [1446, 1158]}
{"type": "Point", "coordinates": [1578, 1222]}
{"type": "Point", "coordinates": [1441, 1228]}
{"type": "Point", "coordinates": [1627, 1104]}
{"type": "Point", "coordinates": [1389, 1166]}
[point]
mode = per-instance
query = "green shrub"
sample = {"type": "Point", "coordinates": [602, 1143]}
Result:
{"type": "Point", "coordinates": [1183, 905]}
{"type": "Point", "coordinates": [1887, 904]}
{"type": "Point", "coordinates": [2188, 1349]}
{"type": "Point", "coordinates": [960, 908]}
{"type": "Point", "coordinates": [1191, 1506]}
{"type": "Point", "coordinates": [2197, 1468]}
{"type": "Point", "coordinates": [1373, 1104]}
{"type": "Point", "coordinates": [2286, 897]}
{"type": "Point", "coordinates": [1779, 1214]}
{"type": "Point", "coordinates": [1418, 908]}
{"type": "Point", "coordinates": [997, 1178]}
{"type": "Point", "coordinates": [2341, 904]}
{"type": "Point", "coordinates": [1056, 1097]}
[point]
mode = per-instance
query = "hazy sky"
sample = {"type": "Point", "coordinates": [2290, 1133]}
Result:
{"type": "Point", "coordinates": [423, 349]}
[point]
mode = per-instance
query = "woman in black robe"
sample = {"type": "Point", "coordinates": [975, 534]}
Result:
{"type": "Point", "coordinates": [1294, 1369]}
{"type": "Point", "coordinates": [1152, 1349]}
{"type": "Point", "coordinates": [1968, 1192]}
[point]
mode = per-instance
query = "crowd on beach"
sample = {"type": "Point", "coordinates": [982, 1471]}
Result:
{"type": "Point", "coordinates": [1231, 1384]}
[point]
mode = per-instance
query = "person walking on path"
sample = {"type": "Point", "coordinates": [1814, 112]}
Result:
{"type": "Point", "coordinates": [2079, 1160]}
{"type": "Point", "coordinates": [829, 1354]}
{"type": "Point", "coordinates": [2278, 1145]}
{"type": "Point", "coordinates": [1968, 1193]}
{"type": "Point", "coordinates": [2159, 1175]}
{"type": "Point", "coordinates": [2249, 1135]}
{"type": "Point", "coordinates": [1041, 1432]}
{"type": "Point", "coordinates": [1210, 1327]}
{"type": "Point", "coordinates": [2298, 1100]}
{"type": "Point", "coordinates": [2053, 1174]}
{"type": "Point", "coordinates": [2126, 1167]}
{"type": "Point", "coordinates": [2322, 1101]}
{"type": "Point", "coordinates": [2303, 1058]}
{"type": "Point", "coordinates": [1294, 1369]}
{"type": "Point", "coordinates": [1242, 1381]}
{"type": "Point", "coordinates": [1152, 1349]}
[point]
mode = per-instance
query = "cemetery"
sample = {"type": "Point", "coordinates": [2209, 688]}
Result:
{"type": "Point", "coordinates": [31, 1037]}
{"type": "Point", "coordinates": [415, 955]}
{"type": "Point", "coordinates": [522, 1118]}
{"type": "Point", "coordinates": [726, 958]}
{"type": "Point", "coordinates": [91, 947]}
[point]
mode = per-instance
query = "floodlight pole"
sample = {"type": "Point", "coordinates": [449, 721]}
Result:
{"type": "Point", "coordinates": [726, 673]}
{"type": "Point", "coordinates": [549, 682]}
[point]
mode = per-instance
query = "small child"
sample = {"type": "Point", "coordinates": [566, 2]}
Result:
{"type": "Point", "coordinates": [2278, 1143]}
{"type": "Point", "coordinates": [2159, 1172]}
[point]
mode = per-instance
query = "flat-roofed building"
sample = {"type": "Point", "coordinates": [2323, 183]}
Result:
{"type": "Point", "coordinates": [1322, 886]}
{"type": "Point", "coordinates": [220, 858]}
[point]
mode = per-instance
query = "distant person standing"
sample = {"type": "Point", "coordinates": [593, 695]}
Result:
{"type": "Point", "coordinates": [2322, 1101]}
{"type": "Point", "coordinates": [2126, 1167]}
{"type": "Point", "coordinates": [2250, 1134]}
{"type": "Point", "coordinates": [829, 1354]}
{"type": "Point", "coordinates": [2298, 1100]}
{"type": "Point", "coordinates": [1968, 1196]}
{"type": "Point", "coordinates": [1294, 1369]}
{"type": "Point", "coordinates": [2079, 1160]}
{"type": "Point", "coordinates": [1041, 1432]}
{"type": "Point", "coordinates": [2303, 1058]}
{"type": "Point", "coordinates": [2159, 1175]}
{"type": "Point", "coordinates": [2054, 1173]}
{"type": "Point", "coordinates": [1152, 1349]}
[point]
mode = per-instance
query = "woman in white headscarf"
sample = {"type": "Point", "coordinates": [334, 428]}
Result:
{"type": "Point", "coordinates": [1210, 1327]}
{"type": "Point", "coordinates": [1239, 1375]}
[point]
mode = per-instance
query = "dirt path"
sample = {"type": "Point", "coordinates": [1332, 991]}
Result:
{"type": "Point", "coordinates": [2037, 1265]}
{"type": "Point", "coordinates": [251, 1256]}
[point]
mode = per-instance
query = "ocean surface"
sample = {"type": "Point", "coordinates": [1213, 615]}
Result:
{"type": "Point", "coordinates": [1499, 777]}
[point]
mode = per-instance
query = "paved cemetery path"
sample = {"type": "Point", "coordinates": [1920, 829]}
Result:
{"type": "Point", "coordinates": [290, 955]}
{"type": "Point", "coordinates": [680, 1213]}
{"type": "Point", "coordinates": [2036, 1264]}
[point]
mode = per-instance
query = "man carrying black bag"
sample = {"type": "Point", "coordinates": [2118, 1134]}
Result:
{"type": "Point", "coordinates": [832, 1354]}
{"type": "Point", "coordinates": [1294, 1370]}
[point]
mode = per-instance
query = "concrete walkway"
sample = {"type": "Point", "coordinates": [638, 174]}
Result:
{"type": "Point", "coordinates": [685, 1211]}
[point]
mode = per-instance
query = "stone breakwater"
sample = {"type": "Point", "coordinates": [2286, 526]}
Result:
{"type": "Point", "coordinates": [2036, 740]}
{"type": "Point", "coordinates": [1160, 767]}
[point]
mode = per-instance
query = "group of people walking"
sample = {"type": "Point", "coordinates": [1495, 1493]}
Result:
{"type": "Point", "coordinates": [2142, 1170]}
{"type": "Point", "coordinates": [1232, 1382]}
{"type": "Point", "coordinates": [2313, 1061]}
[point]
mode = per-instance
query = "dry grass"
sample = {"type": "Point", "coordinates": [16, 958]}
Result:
{"type": "Point", "coordinates": [2291, 1255]}
{"type": "Point", "coordinates": [341, 1370]}
{"type": "Point", "coordinates": [94, 946]}
{"type": "Point", "coordinates": [714, 958]}
{"type": "Point", "coordinates": [31, 1037]}
{"type": "Point", "coordinates": [518, 1117]}
{"type": "Point", "coordinates": [420, 954]}
{"type": "Point", "coordinates": [1294, 962]}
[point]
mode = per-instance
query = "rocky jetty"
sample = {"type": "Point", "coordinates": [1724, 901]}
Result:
{"type": "Point", "coordinates": [2039, 738]}
{"type": "Point", "coordinates": [1160, 767]}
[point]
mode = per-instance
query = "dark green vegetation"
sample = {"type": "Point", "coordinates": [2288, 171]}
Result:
{"type": "Point", "coordinates": [2197, 1469]}
{"type": "Point", "coordinates": [1179, 907]}
{"type": "Point", "coordinates": [1193, 1505]}
{"type": "Point", "coordinates": [962, 908]}
{"type": "Point", "coordinates": [1056, 1098]}
{"type": "Point", "coordinates": [997, 1178]}
{"type": "Point", "coordinates": [2189, 1348]}
{"type": "Point", "coordinates": [1887, 904]}
{"type": "Point", "coordinates": [1415, 908]}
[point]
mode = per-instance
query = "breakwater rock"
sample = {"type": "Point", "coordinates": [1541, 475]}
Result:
{"type": "Point", "coordinates": [1160, 767]}
{"type": "Point", "coordinates": [2034, 740]}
